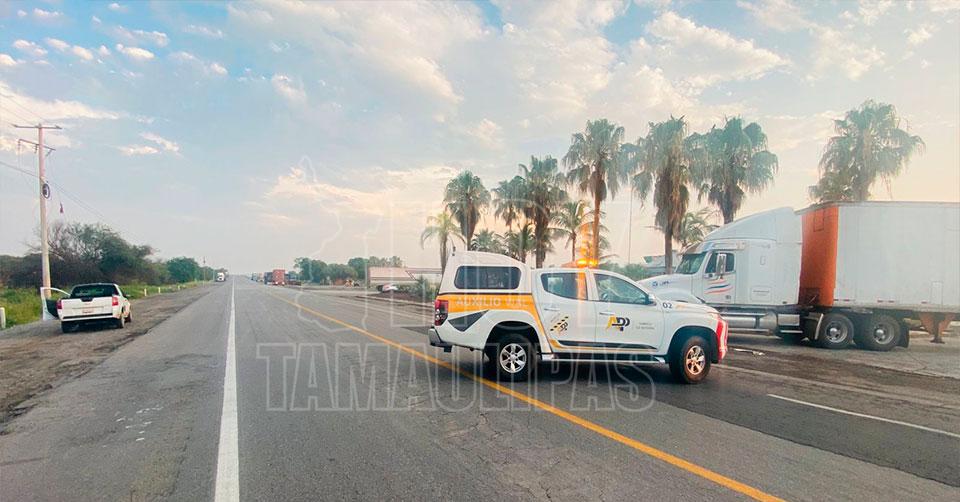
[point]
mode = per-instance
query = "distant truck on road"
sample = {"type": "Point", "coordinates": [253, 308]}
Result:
{"type": "Point", "coordinates": [279, 277]}
{"type": "Point", "coordinates": [835, 273]}
{"type": "Point", "coordinates": [221, 276]}
{"type": "Point", "coordinates": [93, 303]}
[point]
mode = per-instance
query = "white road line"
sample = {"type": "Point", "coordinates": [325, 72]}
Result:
{"type": "Point", "coordinates": [864, 415]}
{"type": "Point", "coordinates": [228, 454]}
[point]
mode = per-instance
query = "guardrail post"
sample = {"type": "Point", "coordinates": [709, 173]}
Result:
{"type": "Point", "coordinates": [3, 318]}
{"type": "Point", "coordinates": [144, 291]}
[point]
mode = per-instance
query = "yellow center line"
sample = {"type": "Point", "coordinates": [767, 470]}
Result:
{"type": "Point", "coordinates": [673, 460]}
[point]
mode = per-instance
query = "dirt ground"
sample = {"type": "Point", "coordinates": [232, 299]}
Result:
{"type": "Point", "coordinates": [37, 357]}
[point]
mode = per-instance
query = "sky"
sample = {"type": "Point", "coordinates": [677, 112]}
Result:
{"type": "Point", "coordinates": [248, 134]}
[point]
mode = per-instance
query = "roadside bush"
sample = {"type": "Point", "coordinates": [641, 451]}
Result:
{"type": "Point", "coordinates": [22, 305]}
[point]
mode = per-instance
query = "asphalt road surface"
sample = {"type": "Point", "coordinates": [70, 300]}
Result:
{"type": "Point", "coordinates": [266, 393]}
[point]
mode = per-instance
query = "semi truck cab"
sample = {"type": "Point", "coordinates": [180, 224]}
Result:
{"type": "Point", "coordinates": [748, 270]}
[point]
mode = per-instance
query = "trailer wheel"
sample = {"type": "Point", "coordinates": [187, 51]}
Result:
{"type": "Point", "coordinates": [878, 332]}
{"type": "Point", "coordinates": [836, 331]}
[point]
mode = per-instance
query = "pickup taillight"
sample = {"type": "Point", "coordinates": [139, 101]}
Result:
{"type": "Point", "coordinates": [440, 311]}
{"type": "Point", "coordinates": [721, 338]}
{"type": "Point", "coordinates": [115, 302]}
{"type": "Point", "coordinates": [60, 304]}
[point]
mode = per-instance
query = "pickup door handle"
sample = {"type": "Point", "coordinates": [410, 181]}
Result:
{"type": "Point", "coordinates": [607, 313]}
{"type": "Point", "coordinates": [551, 309]}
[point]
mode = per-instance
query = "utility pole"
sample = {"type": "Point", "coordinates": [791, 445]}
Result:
{"type": "Point", "coordinates": [44, 193]}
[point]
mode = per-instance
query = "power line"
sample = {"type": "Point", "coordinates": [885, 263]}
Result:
{"type": "Point", "coordinates": [66, 193]}
{"type": "Point", "coordinates": [31, 112]}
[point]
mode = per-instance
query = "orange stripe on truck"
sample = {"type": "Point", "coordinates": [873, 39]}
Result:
{"type": "Point", "coordinates": [466, 302]}
{"type": "Point", "coordinates": [818, 262]}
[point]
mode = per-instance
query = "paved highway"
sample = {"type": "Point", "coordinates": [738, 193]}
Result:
{"type": "Point", "coordinates": [335, 396]}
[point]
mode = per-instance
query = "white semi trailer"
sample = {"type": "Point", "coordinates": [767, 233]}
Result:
{"type": "Point", "coordinates": [834, 273]}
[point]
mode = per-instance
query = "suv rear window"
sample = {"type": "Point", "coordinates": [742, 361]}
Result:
{"type": "Point", "coordinates": [478, 277]}
{"type": "Point", "coordinates": [93, 291]}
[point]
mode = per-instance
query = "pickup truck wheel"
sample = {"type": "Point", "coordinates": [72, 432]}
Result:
{"type": "Point", "coordinates": [879, 332]}
{"type": "Point", "coordinates": [691, 364]}
{"type": "Point", "coordinates": [513, 358]}
{"type": "Point", "coordinates": [836, 331]}
{"type": "Point", "coordinates": [130, 316]}
{"type": "Point", "coordinates": [119, 323]}
{"type": "Point", "coordinates": [69, 326]}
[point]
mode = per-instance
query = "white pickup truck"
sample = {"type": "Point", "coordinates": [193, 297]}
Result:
{"type": "Point", "coordinates": [93, 303]}
{"type": "Point", "coordinates": [519, 316]}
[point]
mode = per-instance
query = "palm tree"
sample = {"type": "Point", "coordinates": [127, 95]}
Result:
{"type": "Point", "coordinates": [509, 202]}
{"type": "Point", "coordinates": [520, 242]}
{"type": "Point", "coordinates": [729, 162]}
{"type": "Point", "coordinates": [487, 241]}
{"type": "Point", "coordinates": [544, 193]}
{"type": "Point", "coordinates": [694, 227]}
{"type": "Point", "coordinates": [869, 144]}
{"type": "Point", "coordinates": [465, 198]}
{"type": "Point", "coordinates": [596, 166]}
{"type": "Point", "coordinates": [442, 228]}
{"type": "Point", "coordinates": [665, 169]}
{"type": "Point", "coordinates": [569, 220]}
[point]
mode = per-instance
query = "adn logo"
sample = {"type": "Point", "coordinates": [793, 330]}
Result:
{"type": "Point", "coordinates": [618, 322]}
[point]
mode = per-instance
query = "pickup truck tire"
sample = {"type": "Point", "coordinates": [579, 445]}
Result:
{"type": "Point", "coordinates": [836, 331]}
{"type": "Point", "coordinates": [513, 358]}
{"type": "Point", "coordinates": [878, 332]}
{"type": "Point", "coordinates": [69, 327]}
{"type": "Point", "coordinates": [130, 316]}
{"type": "Point", "coordinates": [119, 323]}
{"type": "Point", "coordinates": [691, 363]}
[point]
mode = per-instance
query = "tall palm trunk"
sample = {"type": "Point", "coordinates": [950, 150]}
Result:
{"type": "Point", "coordinates": [443, 254]}
{"type": "Point", "coordinates": [573, 247]}
{"type": "Point", "coordinates": [668, 251]}
{"type": "Point", "coordinates": [596, 223]}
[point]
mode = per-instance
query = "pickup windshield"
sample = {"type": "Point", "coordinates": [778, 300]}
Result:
{"type": "Point", "coordinates": [690, 263]}
{"type": "Point", "coordinates": [93, 291]}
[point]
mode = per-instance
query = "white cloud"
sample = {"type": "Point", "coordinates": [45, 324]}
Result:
{"type": "Point", "coordinates": [82, 53]}
{"type": "Point", "coordinates": [217, 68]}
{"type": "Point", "coordinates": [187, 58]}
{"type": "Point", "coordinates": [58, 109]}
{"type": "Point", "coordinates": [21, 13]}
{"type": "Point", "coordinates": [919, 35]}
{"type": "Point", "coordinates": [103, 51]}
{"type": "Point", "coordinates": [203, 31]}
{"type": "Point", "coordinates": [780, 15]}
{"type": "Point", "coordinates": [286, 87]}
{"type": "Point", "coordinates": [46, 15]}
{"type": "Point", "coordinates": [29, 48]}
{"type": "Point", "coordinates": [7, 60]}
{"type": "Point", "coordinates": [135, 53]}
{"type": "Point", "coordinates": [95, 20]}
{"type": "Point", "coordinates": [167, 145]}
{"type": "Point", "coordinates": [404, 42]}
{"type": "Point", "coordinates": [56, 43]}
{"type": "Point", "coordinates": [835, 52]}
{"type": "Point", "coordinates": [117, 7]}
{"type": "Point", "coordinates": [139, 37]}
{"type": "Point", "coordinates": [943, 5]}
{"type": "Point", "coordinates": [487, 133]}
{"type": "Point", "coordinates": [702, 56]}
{"type": "Point", "coordinates": [872, 10]}
{"type": "Point", "coordinates": [131, 150]}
